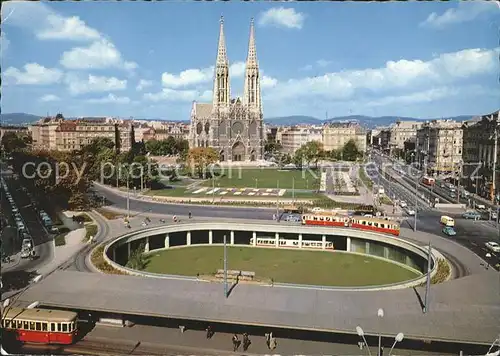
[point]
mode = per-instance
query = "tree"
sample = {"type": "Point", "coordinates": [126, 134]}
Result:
{"type": "Point", "coordinates": [137, 260]}
{"type": "Point", "coordinates": [272, 147]}
{"type": "Point", "coordinates": [350, 151]}
{"type": "Point", "coordinates": [12, 141]}
{"type": "Point", "coordinates": [312, 151]}
{"type": "Point", "coordinates": [199, 158]}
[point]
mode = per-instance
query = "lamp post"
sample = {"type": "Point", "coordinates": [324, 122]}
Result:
{"type": "Point", "coordinates": [225, 267]}
{"type": "Point", "coordinates": [399, 337]}
{"type": "Point", "coordinates": [361, 333]}
{"type": "Point", "coordinates": [380, 314]}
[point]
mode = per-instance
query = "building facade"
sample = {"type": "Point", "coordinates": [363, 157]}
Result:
{"type": "Point", "coordinates": [295, 137]}
{"type": "Point", "coordinates": [479, 153]}
{"type": "Point", "coordinates": [336, 135]}
{"type": "Point", "coordinates": [439, 147]}
{"type": "Point", "coordinates": [402, 131]}
{"type": "Point", "coordinates": [233, 127]}
{"type": "Point", "coordinates": [68, 135]}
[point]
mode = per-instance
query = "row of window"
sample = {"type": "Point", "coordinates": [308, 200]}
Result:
{"type": "Point", "coordinates": [376, 224]}
{"type": "Point", "coordinates": [38, 325]}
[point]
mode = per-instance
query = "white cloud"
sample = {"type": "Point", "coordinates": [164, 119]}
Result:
{"type": "Point", "coordinates": [464, 12]}
{"type": "Point", "coordinates": [45, 23]}
{"type": "Point", "coordinates": [168, 94]}
{"type": "Point", "coordinates": [33, 74]}
{"type": "Point", "coordinates": [282, 17]}
{"type": "Point", "coordinates": [48, 98]}
{"type": "Point", "coordinates": [413, 74]}
{"type": "Point", "coordinates": [268, 82]}
{"type": "Point", "coordinates": [190, 77]}
{"type": "Point", "coordinates": [143, 83]}
{"type": "Point", "coordinates": [92, 84]}
{"type": "Point", "coordinates": [4, 43]}
{"type": "Point", "coordinates": [70, 28]}
{"type": "Point", "coordinates": [100, 54]}
{"type": "Point", "coordinates": [110, 99]}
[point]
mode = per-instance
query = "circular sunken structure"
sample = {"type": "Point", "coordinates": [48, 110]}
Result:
{"type": "Point", "coordinates": [301, 255]}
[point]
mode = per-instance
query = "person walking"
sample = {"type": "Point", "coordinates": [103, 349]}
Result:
{"type": "Point", "coordinates": [273, 343]}
{"type": "Point", "coordinates": [236, 342]}
{"type": "Point", "coordinates": [190, 215]}
{"type": "Point", "coordinates": [246, 342]}
{"type": "Point", "coordinates": [210, 332]}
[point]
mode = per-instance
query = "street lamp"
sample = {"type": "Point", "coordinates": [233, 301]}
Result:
{"type": "Point", "coordinates": [399, 337]}
{"type": "Point", "coordinates": [380, 314]}
{"type": "Point", "coordinates": [361, 333]}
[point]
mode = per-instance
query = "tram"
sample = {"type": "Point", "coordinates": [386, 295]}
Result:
{"type": "Point", "coordinates": [289, 243]}
{"type": "Point", "coordinates": [42, 326]}
{"type": "Point", "coordinates": [357, 222]}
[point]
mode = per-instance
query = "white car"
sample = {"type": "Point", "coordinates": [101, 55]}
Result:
{"type": "Point", "coordinates": [493, 246]}
{"type": "Point", "coordinates": [403, 204]}
{"type": "Point", "coordinates": [410, 212]}
{"type": "Point", "coordinates": [480, 206]}
{"type": "Point", "coordinates": [316, 210]}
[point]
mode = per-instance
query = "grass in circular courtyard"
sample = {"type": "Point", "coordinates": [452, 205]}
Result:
{"type": "Point", "coordinates": [286, 266]}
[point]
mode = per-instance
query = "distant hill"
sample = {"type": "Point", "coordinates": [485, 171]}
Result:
{"type": "Point", "coordinates": [366, 121]}
{"type": "Point", "coordinates": [293, 120]}
{"type": "Point", "coordinates": [18, 119]}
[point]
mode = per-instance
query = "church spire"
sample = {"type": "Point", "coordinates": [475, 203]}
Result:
{"type": "Point", "coordinates": [221, 78]}
{"type": "Point", "coordinates": [251, 94]}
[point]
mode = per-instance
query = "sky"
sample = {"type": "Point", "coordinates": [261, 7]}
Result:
{"type": "Point", "coordinates": [153, 59]}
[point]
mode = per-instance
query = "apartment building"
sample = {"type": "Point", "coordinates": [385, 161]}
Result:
{"type": "Point", "coordinates": [293, 138]}
{"type": "Point", "coordinates": [439, 146]}
{"type": "Point", "coordinates": [67, 135]}
{"type": "Point", "coordinates": [402, 131]}
{"type": "Point", "coordinates": [336, 135]}
{"type": "Point", "coordinates": [20, 130]}
{"type": "Point", "coordinates": [479, 152]}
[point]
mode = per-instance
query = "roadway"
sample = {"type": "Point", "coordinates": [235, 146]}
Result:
{"type": "Point", "coordinates": [42, 240]}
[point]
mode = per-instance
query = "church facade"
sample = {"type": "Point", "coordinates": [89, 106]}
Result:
{"type": "Point", "coordinates": [233, 127]}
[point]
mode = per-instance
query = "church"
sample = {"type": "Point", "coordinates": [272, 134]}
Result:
{"type": "Point", "coordinates": [233, 127]}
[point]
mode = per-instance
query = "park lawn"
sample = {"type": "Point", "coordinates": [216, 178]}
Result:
{"type": "Point", "coordinates": [267, 178]}
{"type": "Point", "coordinates": [286, 266]}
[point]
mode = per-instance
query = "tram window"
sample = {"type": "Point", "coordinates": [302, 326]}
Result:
{"type": "Point", "coordinates": [72, 326]}
{"type": "Point", "coordinates": [58, 326]}
{"type": "Point", "coordinates": [26, 325]}
{"type": "Point", "coordinates": [7, 323]}
{"type": "Point", "coordinates": [295, 243]}
{"type": "Point", "coordinates": [44, 327]}
{"type": "Point", "coordinates": [52, 327]}
{"type": "Point", "coordinates": [65, 327]}
{"type": "Point", "coordinates": [38, 326]}
{"type": "Point", "coordinates": [19, 324]}
{"type": "Point", "coordinates": [32, 325]}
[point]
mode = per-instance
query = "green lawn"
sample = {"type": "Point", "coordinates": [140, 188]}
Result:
{"type": "Point", "coordinates": [364, 177]}
{"type": "Point", "coordinates": [267, 178]}
{"type": "Point", "coordinates": [91, 230]}
{"type": "Point", "coordinates": [287, 266]}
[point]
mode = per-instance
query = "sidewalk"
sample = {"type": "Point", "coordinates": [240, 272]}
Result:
{"type": "Point", "coordinates": [64, 253]}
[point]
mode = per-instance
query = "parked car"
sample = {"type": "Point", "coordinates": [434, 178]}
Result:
{"type": "Point", "coordinates": [316, 210]}
{"type": "Point", "coordinates": [410, 212]}
{"type": "Point", "coordinates": [471, 215]}
{"type": "Point", "coordinates": [403, 204]}
{"type": "Point", "coordinates": [480, 206]}
{"type": "Point", "coordinates": [493, 246]}
{"type": "Point", "coordinates": [448, 230]}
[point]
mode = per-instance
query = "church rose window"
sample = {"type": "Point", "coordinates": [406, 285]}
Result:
{"type": "Point", "coordinates": [237, 128]}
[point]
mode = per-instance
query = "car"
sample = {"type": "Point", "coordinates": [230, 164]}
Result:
{"type": "Point", "coordinates": [493, 246]}
{"type": "Point", "coordinates": [448, 230]}
{"type": "Point", "coordinates": [403, 204]}
{"type": "Point", "coordinates": [471, 215]}
{"type": "Point", "coordinates": [316, 210]}
{"type": "Point", "coordinates": [494, 215]}
{"type": "Point", "coordinates": [452, 195]}
{"type": "Point", "coordinates": [410, 212]}
{"type": "Point", "coordinates": [480, 206]}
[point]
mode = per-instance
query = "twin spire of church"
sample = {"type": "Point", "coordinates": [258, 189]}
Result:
{"type": "Point", "coordinates": [222, 93]}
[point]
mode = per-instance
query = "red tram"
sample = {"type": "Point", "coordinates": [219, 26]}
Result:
{"type": "Point", "coordinates": [42, 326]}
{"type": "Point", "coordinates": [356, 222]}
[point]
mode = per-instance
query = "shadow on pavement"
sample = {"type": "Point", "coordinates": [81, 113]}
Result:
{"type": "Point", "coordinates": [16, 280]}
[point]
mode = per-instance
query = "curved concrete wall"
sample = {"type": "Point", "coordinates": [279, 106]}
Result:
{"type": "Point", "coordinates": [275, 228]}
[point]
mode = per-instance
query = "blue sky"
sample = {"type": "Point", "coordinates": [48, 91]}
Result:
{"type": "Point", "coordinates": [151, 60]}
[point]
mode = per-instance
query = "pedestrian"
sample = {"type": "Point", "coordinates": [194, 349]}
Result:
{"type": "Point", "coordinates": [273, 343]}
{"type": "Point", "coordinates": [209, 332]}
{"type": "Point", "coordinates": [236, 342]}
{"type": "Point", "coordinates": [381, 351]}
{"type": "Point", "coordinates": [268, 336]}
{"type": "Point", "coordinates": [190, 215]}
{"type": "Point", "coordinates": [174, 218]}
{"type": "Point", "coordinates": [246, 342]}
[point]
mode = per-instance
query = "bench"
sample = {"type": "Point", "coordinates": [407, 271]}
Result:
{"type": "Point", "coordinates": [229, 272]}
{"type": "Point", "coordinates": [248, 275]}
